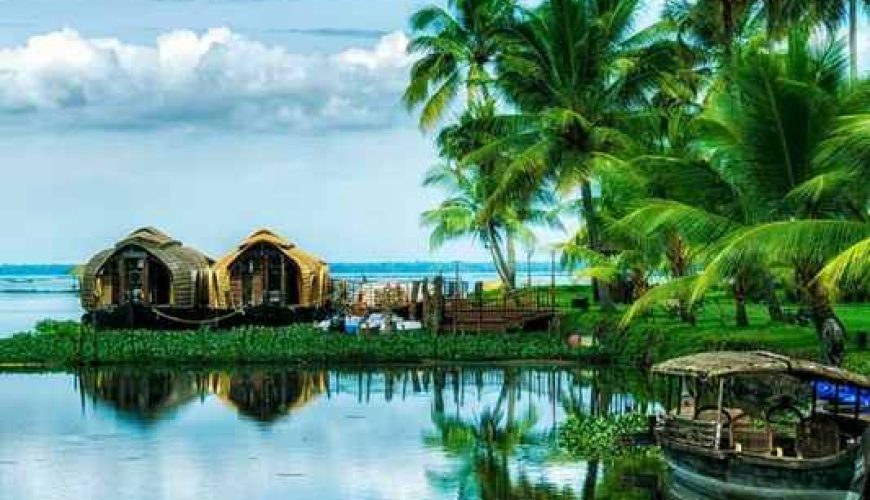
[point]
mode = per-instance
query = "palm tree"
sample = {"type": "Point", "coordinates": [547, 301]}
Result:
{"type": "Point", "coordinates": [465, 212]}
{"type": "Point", "coordinates": [719, 24]}
{"type": "Point", "coordinates": [850, 266]}
{"type": "Point", "coordinates": [782, 134]}
{"type": "Point", "coordinates": [457, 46]}
{"type": "Point", "coordinates": [571, 68]}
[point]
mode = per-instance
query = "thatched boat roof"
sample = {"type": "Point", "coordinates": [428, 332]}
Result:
{"type": "Point", "coordinates": [709, 365]}
{"type": "Point", "coordinates": [304, 259]}
{"type": "Point", "coordinates": [182, 262]}
{"type": "Point", "coordinates": [313, 271]}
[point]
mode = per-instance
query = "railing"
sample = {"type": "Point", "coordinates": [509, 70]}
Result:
{"type": "Point", "coordinates": [448, 304]}
{"type": "Point", "coordinates": [700, 433]}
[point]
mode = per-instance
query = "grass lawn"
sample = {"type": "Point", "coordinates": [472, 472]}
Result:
{"type": "Point", "coordinates": [660, 336]}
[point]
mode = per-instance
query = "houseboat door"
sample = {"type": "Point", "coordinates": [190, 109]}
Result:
{"type": "Point", "coordinates": [134, 273]}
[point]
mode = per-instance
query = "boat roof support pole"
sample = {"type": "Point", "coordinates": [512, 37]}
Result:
{"type": "Point", "coordinates": [719, 413]}
{"type": "Point", "coordinates": [857, 401]}
{"type": "Point", "coordinates": [680, 396]}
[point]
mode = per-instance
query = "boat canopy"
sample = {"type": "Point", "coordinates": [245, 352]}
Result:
{"type": "Point", "coordinates": [311, 280]}
{"type": "Point", "coordinates": [708, 365]}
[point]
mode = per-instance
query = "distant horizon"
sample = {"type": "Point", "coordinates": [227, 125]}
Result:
{"type": "Point", "coordinates": [520, 263]}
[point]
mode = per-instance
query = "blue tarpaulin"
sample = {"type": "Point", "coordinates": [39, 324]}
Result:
{"type": "Point", "coordinates": [846, 396]}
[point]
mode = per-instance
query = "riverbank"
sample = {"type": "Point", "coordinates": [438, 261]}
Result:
{"type": "Point", "coordinates": [59, 344]}
{"type": "Point", "coordinates": [650, 340]}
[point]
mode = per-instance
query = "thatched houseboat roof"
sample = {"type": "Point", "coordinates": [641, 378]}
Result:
{"type": "Point", "coordinates": [267, 396]}
{"type": "Point", "coordinates": [313, 271]}
{"type": "Point", "coordinates": [185, 265]}
{"type": "Point", "coordinates": [709, 365]}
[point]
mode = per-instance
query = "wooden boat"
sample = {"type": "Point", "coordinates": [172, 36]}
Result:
{"type": "Point", "coordinates": [150, 280]}
{"type": "Point", "coordinates": [272, 280]}
{"type": "Point", "coordinates": [146, 275]}
{"type": "Point", "coordinates": [762, 425]}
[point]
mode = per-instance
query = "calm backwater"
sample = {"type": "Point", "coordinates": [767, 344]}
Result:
{"type": "Point", "coordinates": [389, 433]}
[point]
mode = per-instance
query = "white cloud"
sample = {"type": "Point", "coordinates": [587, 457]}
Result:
{"type": "Point", "coordinates": [217, 78]}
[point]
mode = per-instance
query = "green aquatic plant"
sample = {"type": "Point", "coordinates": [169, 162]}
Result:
{"type": "Point", "coordinates": [65, 344]}
{"type": "Point", "coordinates": [586, 436]}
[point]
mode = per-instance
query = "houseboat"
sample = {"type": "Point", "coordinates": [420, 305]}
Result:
{"type": "Point", "coordinates": [272, 280]}
{"type": "Point", "coordinates": [150, 280]}
{"type": "Point", "coordinates": [761, 425]}
{"type": "Point", "coordinates": [144, 277]}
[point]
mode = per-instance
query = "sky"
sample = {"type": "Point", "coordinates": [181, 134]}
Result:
{"type": "Point", "coordinates": [210, 118]}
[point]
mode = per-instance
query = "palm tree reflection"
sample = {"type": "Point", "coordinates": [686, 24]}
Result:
{"type": "Point", "coordinates": [482, 448]}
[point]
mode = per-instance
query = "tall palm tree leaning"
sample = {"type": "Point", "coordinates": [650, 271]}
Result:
{"type": "Point", "coordinates": [465, 214]}
{"type": "Point", "coordinates": [571, 68]}
{"type": "Point", "coordinates": [456, 47]}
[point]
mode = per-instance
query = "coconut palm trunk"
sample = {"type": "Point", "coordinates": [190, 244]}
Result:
{"type": "Point", "coordinates": [774, 307]}
{"type": "Point", "coordinates": [740, 316]}
{"type": "Point", "coordinates": [676, 255]}
{"type": "Point", "coordinates": [829, 328]}
{"type": "Point", "coordinates": [600, 291]}
{"type": "Point", "coordinates": [505, 272]}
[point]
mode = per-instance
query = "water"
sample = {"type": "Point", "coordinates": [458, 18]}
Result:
{"type": "Point", "coordinates": [31, 293]}
{"type": "Point", "coordinates": [389, 433]}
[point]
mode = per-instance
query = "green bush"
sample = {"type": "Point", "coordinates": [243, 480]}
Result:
{"type": "Point", "coordinates": [588, 437]}
{"type": "Point", "coordinates": [61, 344]}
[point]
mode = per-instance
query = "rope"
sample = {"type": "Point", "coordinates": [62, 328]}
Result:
{"type": "Point", "coordinates": [194, 321]}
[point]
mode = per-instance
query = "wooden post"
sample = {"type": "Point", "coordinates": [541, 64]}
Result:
{"type": "Point", "coordinates": [719, 412]}
{"type": "Point", "coordinates": [415, 293]}
{"type": "Point", "coordinates": [478, 289]}
{"type": "Point", "coordinates": [426, 319]}
{"type": "Point", "coordinates": [680, 397]}
{"type": "Point", "coordinates": [438, 307]}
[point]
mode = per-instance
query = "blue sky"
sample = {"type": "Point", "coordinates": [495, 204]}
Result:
{"type": "Point", "coordinates": [208, 118]}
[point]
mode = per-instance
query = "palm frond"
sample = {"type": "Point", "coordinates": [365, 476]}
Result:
{"type": "Point", "coordinates": [677, 289]}
{"type": "Point", "coordinates": [850, 266]}
{"type": "Point", "coordinates": [777, 243]}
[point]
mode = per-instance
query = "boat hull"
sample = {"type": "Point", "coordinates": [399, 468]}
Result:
{"type": "Point", "coordinates": [138, 316]}
{"type": "Point", "coordinates": [699, 474]}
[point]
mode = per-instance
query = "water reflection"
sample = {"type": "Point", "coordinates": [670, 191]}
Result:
{"type": "Point", "coordinates": [436, 432]}
{"type": "Point", "coordinates": [141, 394]}
{"type": "Point", "coordinates": [268, 395]}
